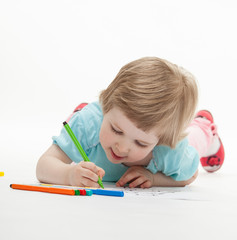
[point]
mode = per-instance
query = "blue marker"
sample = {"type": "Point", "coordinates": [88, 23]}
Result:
{"type": "Point", "coordinates": [104, 192]}
{"type": "Point", "coordinates": [108, 192]}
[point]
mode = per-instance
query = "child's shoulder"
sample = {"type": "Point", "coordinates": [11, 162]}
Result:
{"type": "Point", "coordinates": [91, 114]}
{"type": "Point", "coordinates": [87, 122]}
{"type": "Point", "coordinates": [94, 108]}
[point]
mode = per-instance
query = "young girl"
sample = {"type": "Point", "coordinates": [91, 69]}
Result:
{"type": "Point", "coordinates": [139, 133]}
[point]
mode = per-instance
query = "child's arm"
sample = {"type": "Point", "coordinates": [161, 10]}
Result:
{"type": "Point", "coordinates": [139, 176]}
{"type": "Point", "coordinates": [54, 166]}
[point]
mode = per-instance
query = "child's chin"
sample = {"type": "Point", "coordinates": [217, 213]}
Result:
{"type": "Point", "coordinates": [110, 158]}
{"type": "Point", "coordinates": [115, 161]}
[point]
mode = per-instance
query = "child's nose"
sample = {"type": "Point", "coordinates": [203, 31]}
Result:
{"type": "Point", "coordinates": [123, 147]}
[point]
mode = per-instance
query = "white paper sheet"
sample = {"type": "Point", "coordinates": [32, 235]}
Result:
{"type": "Point", "coordinates": [176, 193]}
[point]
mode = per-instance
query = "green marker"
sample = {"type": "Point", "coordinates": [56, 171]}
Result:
{"type": "Point", "coordinates": [79, 147]}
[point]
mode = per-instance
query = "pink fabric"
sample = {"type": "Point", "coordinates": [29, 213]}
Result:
{"type": "Point", "coordinates": [201, 134]}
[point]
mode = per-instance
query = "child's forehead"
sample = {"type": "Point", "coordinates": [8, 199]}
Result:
{"type": "Point", "coordinates": [119, 119]}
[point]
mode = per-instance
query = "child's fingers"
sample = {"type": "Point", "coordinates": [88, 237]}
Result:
{"type": "Point", "coordinates": [89, 174]}
{"type": "Point", "coordinates": [146, 184]}
{"type": "Point", "coordinates": [141, 182]}
{"type": "Point", "coordinates": [97, 170]}
{"type": "Point", "coordinates": [136, 177]}
{"type": "Point", "coordinates": [101, 172]}
{"type": "Point", "coordinates": [86, 174]}
{"type": "Point", "coordinates": [137, 182]}
{"type": "Point", "coordinates": [86, 182]}
{"type": "Point", "coordinates": [89, 165]}
{"type": "Point", "coordinates": [127, 177]}
{"type": "Point", "coordinates": [91, 171]}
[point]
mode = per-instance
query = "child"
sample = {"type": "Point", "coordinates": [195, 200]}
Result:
{"type": "Point", "coordinates": [139, 133]}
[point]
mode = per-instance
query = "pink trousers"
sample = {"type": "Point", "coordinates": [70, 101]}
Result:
{"type": "Point", "coordinates": [202, 135]}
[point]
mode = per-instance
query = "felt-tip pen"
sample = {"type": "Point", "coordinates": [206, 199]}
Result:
{"type": "Point", "coordinates": [51, 189]}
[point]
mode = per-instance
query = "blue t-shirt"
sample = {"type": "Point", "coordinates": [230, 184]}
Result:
{"type": "Point", "coordinates": [180, 163]}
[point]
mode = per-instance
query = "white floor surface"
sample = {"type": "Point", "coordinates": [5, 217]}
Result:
{"type": "Point", "coordinates": [207, 209]}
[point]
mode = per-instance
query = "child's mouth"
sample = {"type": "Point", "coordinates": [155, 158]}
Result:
{"type": "Point", "coordinates": [116, 157]}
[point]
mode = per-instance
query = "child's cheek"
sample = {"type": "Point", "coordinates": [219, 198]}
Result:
{"type": "Point", "coordinates": [139, 154]}
{"type": "Point", "coordinates": [105, 138]}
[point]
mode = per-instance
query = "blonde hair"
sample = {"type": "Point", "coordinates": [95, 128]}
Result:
{"type": "Point", "coordinates": [154, 93]}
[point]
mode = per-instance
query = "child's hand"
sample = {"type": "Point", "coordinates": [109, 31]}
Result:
{"type": "Point", "coordinates": [136, 176]}
{"type": "Point", "coordinates": [85, 174]}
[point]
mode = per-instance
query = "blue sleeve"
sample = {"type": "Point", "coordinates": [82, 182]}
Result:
{"type": "Point", "coordinates": [85, 124]}
{"type": "Point", "coordinates": [180, 163]}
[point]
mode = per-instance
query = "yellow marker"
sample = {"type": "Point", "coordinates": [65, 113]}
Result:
{"type": "Point", "coordinates": [1, 174]}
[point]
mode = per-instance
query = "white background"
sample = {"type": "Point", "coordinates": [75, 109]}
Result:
{"type": "Point", "coordinates": [56, 54]}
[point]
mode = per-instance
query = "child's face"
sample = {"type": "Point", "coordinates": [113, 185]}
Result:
{"type": "Point", "coordinates": [123, 142]}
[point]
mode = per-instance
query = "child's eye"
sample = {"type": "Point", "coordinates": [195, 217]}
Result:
{"type": "Point", "coordinates": [116, 131]}
{"type": "Point", "coordinates": [140, 144]}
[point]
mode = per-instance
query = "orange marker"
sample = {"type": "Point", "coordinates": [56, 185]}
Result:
{"type": "Point", "coordinates": [56, 190]}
